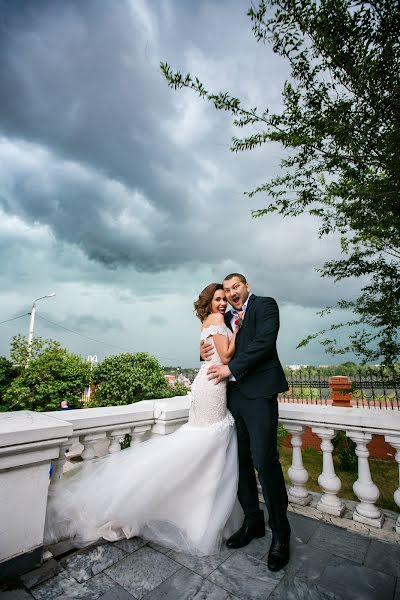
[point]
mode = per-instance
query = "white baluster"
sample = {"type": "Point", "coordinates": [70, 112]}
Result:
{"type": "Point", "coordinates": [394, 440]}
{"type": "Point", "coordinates": [89, 442]}
{"type": "Point", "coordinates": [58, 463]}
{"type": "Point", "coordinates": [298, 475]}
{"type": "Point", "coordinates": [328, 480]}
{"type": "Point", "coordinates": [115, 435]}
{"type": "Point", "coordinates": [139, 433]}
{"type": "Point", "coordinates": [364, 488]}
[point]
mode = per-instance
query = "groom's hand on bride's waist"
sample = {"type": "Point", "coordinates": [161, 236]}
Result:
{"type": "Point", "coordinates": [206, 350]}
{"type": "Point", "coordinates": [218, 373]}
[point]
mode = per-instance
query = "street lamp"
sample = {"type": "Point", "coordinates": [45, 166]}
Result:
{"type": "Point", "coordinates": [93, 360]}
{"type": "Point", "coordinates": [32, 322]}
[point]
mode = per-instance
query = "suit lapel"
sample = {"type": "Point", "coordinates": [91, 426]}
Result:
{"type": "Point", "coordinates": [250, 302]}
{"type": "Point", "coordinates": [227, 317]}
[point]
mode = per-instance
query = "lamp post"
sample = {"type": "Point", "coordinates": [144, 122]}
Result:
{"type": "Point", "coordinates": [92, 360]}
{"type": "Point", "coordinates": [32, 322]}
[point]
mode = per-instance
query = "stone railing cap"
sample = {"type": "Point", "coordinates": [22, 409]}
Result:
{"type": "Point", "coordinates": [172, 408]}
{"type": "Point", "coordinates": [25, 426]}
{"type": "Point", "coordinates": [344, 418]}
{"type": "Point", "coordinates": [85, 418]}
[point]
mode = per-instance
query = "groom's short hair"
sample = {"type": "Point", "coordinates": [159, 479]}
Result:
{"type": "Point", "coordinates": [239, 275]}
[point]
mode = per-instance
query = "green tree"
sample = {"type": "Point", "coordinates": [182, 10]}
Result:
{"type": "Point", "coordinates": [7, 373]}
{"type": "Point", "coordinates": [128, 378]}
{"type": "Point", "coordinates": [20, 352]}
{"type": "Point", "coordinates": [340, 123]}
{"type": "Point", "coordinates": [53, 375]}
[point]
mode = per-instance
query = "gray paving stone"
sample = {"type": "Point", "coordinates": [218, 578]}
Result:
{"type": "Point", "coordinates": [299, 588]}
{"type": "Point", "coordinates": [130, 545]}
{"type": "Point", "coordinates": [384, 557]}
{"type": "Point", "coordinates": [356, 582]}
{"type": "Point", "coordinates": [61, 548]}
{"type": "Point", "coordinates": [306, 561]}
{"type": "Point", "coordinates": [63, 586]}
{"type": "Point", "coordinates": [46, 571]}
{"type": "Point", "coordinates": [142, 571]}
{"type": "Point", "coordinates": [100, 584]}
{"type": "Point", "coordinates": [246, 577]}
{"type": "Point", "coordinates": [159, 548]}
{"type": "Point", "coordinates": [17, 593]}
{"type": "Point", "coordinates": [186, 585]}
{"type": "Point", "coordinates": [397, 592]}
{"type": "Point", "coordinates": [203, 565]}
{"type": "Point", "coordinates": [117, 593]}
{"type": "Point", "coordinates": [258, 547]}
{"type": "Point", "coordinates": [302, 527]}
{"type": "Point", "coordinates": [340, 542]}
{"type": "Point", "coordinates": [82, 565]}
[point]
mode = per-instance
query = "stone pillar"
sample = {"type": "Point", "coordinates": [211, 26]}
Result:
{"type": "Point", "coordinates": [341, 394]}
{"type": "Point", "coordinates": [58, 463]}
{"type": "Point", "coordinates": [115, 435]}
{"type": "Point", "coordinates": [139, 434]}
{"type": "Point", "coordinates": [328, 480]}
{"type": "Point", "coordinates": [297, 473]}
{"type": "Point", "coordinates": [394, 440]}
{"type": "Point", "coordinates": [29, 442]}
{"type": "Point", "coordinates": [89, 442]}
{"type": "Point", "coordinates": [364, 488]}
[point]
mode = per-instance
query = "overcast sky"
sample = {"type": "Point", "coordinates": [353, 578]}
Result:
{"type": "Point", "coordinates": [122, 196]}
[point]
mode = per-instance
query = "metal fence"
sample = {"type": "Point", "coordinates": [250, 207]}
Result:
{"type": "Point", "coordinates": [374, 388]}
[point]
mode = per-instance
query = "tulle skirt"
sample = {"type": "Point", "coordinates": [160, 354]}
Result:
{"type": "Point", "coordinates": [179, 490]}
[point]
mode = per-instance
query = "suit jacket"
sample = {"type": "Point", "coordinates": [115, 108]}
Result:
{"type": "Point", "coordinates": [255, 364]}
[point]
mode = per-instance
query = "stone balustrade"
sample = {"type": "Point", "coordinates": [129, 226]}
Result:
{"type": "Point", "coordinates": [30, 441]}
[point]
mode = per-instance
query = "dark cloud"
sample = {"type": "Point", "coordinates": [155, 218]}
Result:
{"type": "Point", "coordinates": [118, 191]}
{"type": "Point", "coordinates": [112, 172]}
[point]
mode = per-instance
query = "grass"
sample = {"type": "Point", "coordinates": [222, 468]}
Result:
{"type": "Point", "coordinates": [385, 475]}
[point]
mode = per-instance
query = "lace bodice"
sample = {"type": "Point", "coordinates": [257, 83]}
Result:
{"type": "Point", "coordinates": [209, 400]}
{"type": "Point", "coordinates": [207, 334]}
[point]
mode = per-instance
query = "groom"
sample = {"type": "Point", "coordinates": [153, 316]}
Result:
{"type": "Point", "coordinates": [255, 377]}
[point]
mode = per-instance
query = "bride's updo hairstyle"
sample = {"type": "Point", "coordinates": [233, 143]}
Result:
{"type": "Point", "coordinates": [202, 306]}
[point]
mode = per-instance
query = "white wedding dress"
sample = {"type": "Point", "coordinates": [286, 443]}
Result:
{"type": "Point", "coordinates": [178, 490]}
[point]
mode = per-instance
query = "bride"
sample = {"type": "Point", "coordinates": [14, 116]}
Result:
{"type": "Point", "coordinates": [179, 490]}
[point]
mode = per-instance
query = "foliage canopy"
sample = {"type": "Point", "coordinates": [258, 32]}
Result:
{"type": "Point", "coordinates": [127, 378]}
{"type": "Point", "coordinates": [52, 375]}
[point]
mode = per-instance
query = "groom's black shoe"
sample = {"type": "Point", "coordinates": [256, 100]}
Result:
{"type": "Point", "coordinates": [245, 534]}
{"type": "Point", "coordinates": [279, 553]}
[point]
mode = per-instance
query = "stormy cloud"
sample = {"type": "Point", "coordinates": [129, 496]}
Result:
{"type": "Point", "coordinates": [122, 194]}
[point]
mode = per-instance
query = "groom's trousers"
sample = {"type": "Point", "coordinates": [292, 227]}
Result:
{"type": "Point", "coordinates": [256, 422]}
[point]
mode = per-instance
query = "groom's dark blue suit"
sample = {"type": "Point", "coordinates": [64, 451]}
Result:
{"type": "Point", "coordinates": [252, 400]}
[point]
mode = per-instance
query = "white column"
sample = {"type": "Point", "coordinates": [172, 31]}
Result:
{"type": "Point", "coordinates": [58, 463]}
{"type": "Point", "coordinates": [139, 432]}
{"type": "Point", "coordinates": [115, 435]}
{"type": "Point", "coordinates": [364, 488]}
{"type": "Point", "coordinates": [328, 481]}
{"type": "Point", "coordinates": [298, 475]}
{"type": "Point", "coordinates": [394, 440]}
{"type": "Point", "coordinates": [89, 442]}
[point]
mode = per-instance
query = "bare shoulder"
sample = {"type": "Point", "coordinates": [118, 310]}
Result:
{"type": "Point", "coordinates": [214, 319]}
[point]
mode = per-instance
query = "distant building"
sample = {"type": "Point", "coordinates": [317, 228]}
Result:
{"type": "Point", "coordinates": [171, 379]}
{"type": "Point", "coordinates": [296, 367]}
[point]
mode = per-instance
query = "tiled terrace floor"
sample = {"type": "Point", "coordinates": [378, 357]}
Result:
{"type": "Point", "coordinates": [327, 563]}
